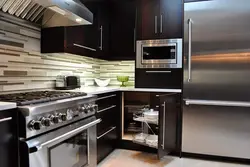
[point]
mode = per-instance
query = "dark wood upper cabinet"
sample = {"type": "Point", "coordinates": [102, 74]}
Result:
{"type": "Point", "coordinates": [159, 19]}
{"type": "Point", "coordinates": [122, 30]}
{"type": "Point", "coordinates": [87, 40]}
{"type": "Point", "coordinates": [75, 40]}
{"type": "Point", "coordinates": [148, 19]}
{"type": "Point", "coordinates": [171, 19]}
{"type": "Point", "coordinates": [101, 25]}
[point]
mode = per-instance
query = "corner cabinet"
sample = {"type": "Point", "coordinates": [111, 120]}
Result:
{"type": "Point", "coordinates": [159, 19]}
{"type": "Point", "coordinates": [160, 134]}
{"type": "Point", "coordinates": [169, 124]}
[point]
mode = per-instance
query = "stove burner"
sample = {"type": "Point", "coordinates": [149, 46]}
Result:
{"type": "Point", "coordinates": [38, 97]}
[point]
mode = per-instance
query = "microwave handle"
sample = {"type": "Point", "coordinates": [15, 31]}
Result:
{"type": "Point", "coordinates": [66, 135]}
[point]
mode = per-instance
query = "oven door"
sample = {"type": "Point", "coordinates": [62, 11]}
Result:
{"type": "Point", "coordinates": [159, 53]}
{"type": "Point", "coordinates": [70, 146]}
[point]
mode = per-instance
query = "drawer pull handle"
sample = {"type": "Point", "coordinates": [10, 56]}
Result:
{"type": "Point", "coordinates": [105, 97]}
{"type": "Point", "coordinates": [158, 71]}
{"type": "Point", "coordinates": [5, 119]}
{"type": "Point", "coordinates": [106, 132]}
{"type": "Point", "coordinates": [105, 109]}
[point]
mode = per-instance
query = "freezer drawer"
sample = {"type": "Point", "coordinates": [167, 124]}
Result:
{"type": "Point", "coordinates": [212, 128]}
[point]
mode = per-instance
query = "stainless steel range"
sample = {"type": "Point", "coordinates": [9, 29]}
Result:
{"type": "Point", "coordinates": [56, 128]}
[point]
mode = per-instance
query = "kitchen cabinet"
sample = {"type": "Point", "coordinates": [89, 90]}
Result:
{"type": "Point", "coordinates": [159, 19]}
{"type": "Point", "coordinates": [76, 40]}
{"type": "Point", "coordinates": [108, 130]}
{"type": "Point", "coordinates": [166, 129]}
{"type": "Point", "coordinates": [101, 27]}
{"type": "Point", "coordinates": [122, 30]}
{"type": "Point", "coordinates": [169, 124]}
{"type": "Point", "coordinates": [159, 78]}
{"type": "Point", "coordinates": [8, 138]}
{"type": "Point", "coordinates": [86, 40]}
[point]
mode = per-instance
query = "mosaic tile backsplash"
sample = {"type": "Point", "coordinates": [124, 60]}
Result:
{"type": "Point", "coordinates": [23, 67]}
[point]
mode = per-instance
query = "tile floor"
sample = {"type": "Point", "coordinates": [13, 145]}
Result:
{"type": "Point", "coordinates": [126, 158]}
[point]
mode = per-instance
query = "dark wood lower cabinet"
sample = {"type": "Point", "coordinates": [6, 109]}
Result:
{"type": "Point", "coordinates": [167, 128]}
{"type": "Point", "coordinates": [169, 134]}
{"type": "Point", "coordinates": [106, 143]}
{"type": "Point", "coordinates": [8, 139]}
{"type": "Point", "coordinates": [108, 129]}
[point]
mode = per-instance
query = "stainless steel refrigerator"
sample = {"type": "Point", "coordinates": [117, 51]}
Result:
{"type": "Point", "coordinates": [216, 107]}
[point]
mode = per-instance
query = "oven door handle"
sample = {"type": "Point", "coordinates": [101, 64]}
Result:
{"type": "Point", "coordinates": [66, 135]}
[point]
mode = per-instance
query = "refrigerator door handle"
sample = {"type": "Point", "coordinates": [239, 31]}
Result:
{"type": "Point", "coordinates": [189, 49]}
{"type": "Point", "coordinates": [217, 103]}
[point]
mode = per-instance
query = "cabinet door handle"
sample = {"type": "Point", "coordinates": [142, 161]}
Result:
{"type": "Point", "coordinates": [161, 25]}
{"type": "Point", "coordinates": [5, 119]}
{"type": "Point", "coordinates": [189, 49]}
{"type": "Point", "coordinates": [156, 25]}
{"type": "Point", "coordinates": [134, 40]}
{"type": "Point", "coordinates": [106, 132]}
{"type": "Point", "coordinates": [105, 97]}
{"type": "Point", "coordinates": [85, 47]}
{"type": "Point", "coordinates": [101, 38]}
{"type": "Point", "coordinates": [164, 124]}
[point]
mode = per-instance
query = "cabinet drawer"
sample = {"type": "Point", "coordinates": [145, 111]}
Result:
{"type": "Point", "coordinates": [159, 78]}
{"type": "Point", "coordinates": [109, 118]}
{"type": "Point", "coordinates": [106, 100]}
{"type": "Point", "coordinates": [106, 143]}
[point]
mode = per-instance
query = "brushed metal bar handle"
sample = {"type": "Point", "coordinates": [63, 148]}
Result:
{"type": "Point", "coordinates": [105, 109]}
{"type": "Point", "coordinates": [156, 24]}
{"type": "Point", "coordinates": [164, 124]}
{"type": "Point", "coordinates": [106, 97]}
{"type": "Point", "coordinates": [101, 38]}
{"type": "Point", "coordinates": [158, 71]}
{"type": "Point", "coordinates": [189, 50]}
{"type": "Point", "coordinates": [218, 103]}
{"type": "Point", "coordinates": [161, 25]}
{"type": "Point", "coordinates": [69, 134]}
{"type": "Point", "coordinates": [5, 119]}
{"type": "Point", "coordinates": [134, 40]}
{"type": "Point", "coordinates": [85, 47]}
{"type": "Point", "coordinates": [110, 130]}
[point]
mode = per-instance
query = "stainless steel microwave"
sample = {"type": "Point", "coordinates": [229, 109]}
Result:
{"type": "Point", "coordinates": [164, 53]}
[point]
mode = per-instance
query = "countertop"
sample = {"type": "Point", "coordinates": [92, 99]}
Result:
{"type": "Point", "coordinates": [7, 106]}
{"type": "Point", "coordinates": [100, 90]}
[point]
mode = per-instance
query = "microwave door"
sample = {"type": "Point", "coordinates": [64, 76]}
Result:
{"type": "Point", "coordinates": [159, 54]}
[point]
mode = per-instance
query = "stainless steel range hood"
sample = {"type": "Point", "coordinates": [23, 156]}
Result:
{"type": "Point", "coordinates": [49, 13]}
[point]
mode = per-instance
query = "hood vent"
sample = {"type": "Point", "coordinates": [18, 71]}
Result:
{"type": "Point", "coordinates": [49, 13]}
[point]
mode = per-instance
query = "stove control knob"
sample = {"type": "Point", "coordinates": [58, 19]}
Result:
{"type": "Point", "coordinates": [63, 117]}
{"type": "Point", "coordinates": [82, 109]}
{"type": "Point", "coordinates": [35, 125]}
{"type": "Point", "coordinates": [45, 121]}
{"type": "Point", "coordinates": [95, 107]}
{"type": "Point", "coordinates": [54, 119]}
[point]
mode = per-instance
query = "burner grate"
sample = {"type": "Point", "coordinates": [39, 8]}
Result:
{"type": "Point", "coordinates": [38, 97]}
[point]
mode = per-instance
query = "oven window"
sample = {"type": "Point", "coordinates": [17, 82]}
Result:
{"type": "Point", "coordinates": [71, 153]}
{"type": "Point", "coordinates": [159, 52]}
